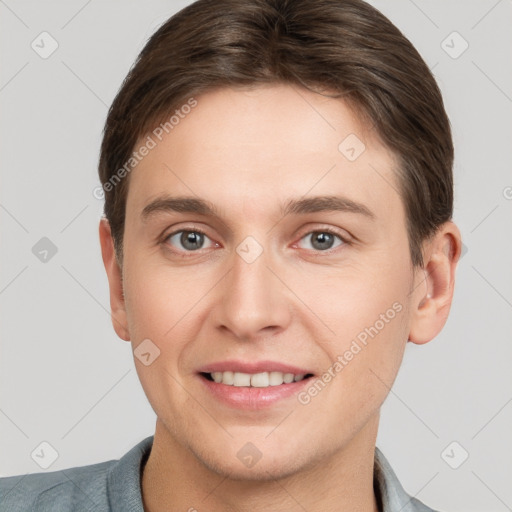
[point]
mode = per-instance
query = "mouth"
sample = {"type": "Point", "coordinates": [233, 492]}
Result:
{"type": "Point", "coordinates": [254, 380]}
{"type": "Point", "coordinates": [254, 385]}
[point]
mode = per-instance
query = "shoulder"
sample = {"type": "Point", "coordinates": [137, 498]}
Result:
{"type": "Point", "coordinates": [113, 485]}
{"type": "Point", "coordinates": [80, 488]}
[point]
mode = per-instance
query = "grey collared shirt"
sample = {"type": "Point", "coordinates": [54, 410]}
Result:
{"type": "Point", "coordinates": [115, 486]}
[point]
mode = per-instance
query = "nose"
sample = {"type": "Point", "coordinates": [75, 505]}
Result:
{"type": "Point", "coordinates": [253, 301]}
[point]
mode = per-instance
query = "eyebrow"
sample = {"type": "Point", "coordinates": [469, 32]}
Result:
{"type": "Point", "coordinates": [186, 204]}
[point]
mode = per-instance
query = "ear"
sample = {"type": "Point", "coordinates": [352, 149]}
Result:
{"type": "Point", "coordinates": [115, 281]}
{"type": "Point", "coordinates": [434, 284]}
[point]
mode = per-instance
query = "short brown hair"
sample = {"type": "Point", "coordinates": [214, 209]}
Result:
{"type": "Point", "coordinates": [344, 46]}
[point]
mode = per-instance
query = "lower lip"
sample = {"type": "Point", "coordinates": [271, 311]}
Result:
{"type": "Point", "coordinates": [251, 398]}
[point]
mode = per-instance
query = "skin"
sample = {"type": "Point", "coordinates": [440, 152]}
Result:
{"type": "Point", "coordinates": [248, 151]}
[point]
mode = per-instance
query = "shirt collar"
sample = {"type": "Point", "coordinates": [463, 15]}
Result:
{"type": "Point", "coordinates": [124, 483]}
{"type": "Point", "coordinates": [390, 494]}
{"type": "Point", "coordinates": [124, 479]}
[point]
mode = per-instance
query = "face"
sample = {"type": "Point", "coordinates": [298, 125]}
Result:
{"type": "Point", "coordinates": [301, 266]}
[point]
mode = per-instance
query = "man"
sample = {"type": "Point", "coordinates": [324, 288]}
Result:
{"type": "Point", "coordinates": [278, 201]}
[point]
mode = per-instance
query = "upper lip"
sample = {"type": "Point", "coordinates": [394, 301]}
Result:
{"type": "Point", "coordinates": [252, 367]}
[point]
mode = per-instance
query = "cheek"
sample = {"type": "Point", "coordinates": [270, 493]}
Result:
{"type": "Point", "coordinates": [364, 361]}
{"type": "Point", "coordinates": [157, 298]}
{"type": "Point", "coordinates": [149, 312]}
{"type": "Point", "coordinates": [164, 306]}
{"type": "Point", "coordinates": [368, 311]}
{"type": "Point", "coordinates": [350, 300]}
{"type": "Point", "coordinates": [159, 310]}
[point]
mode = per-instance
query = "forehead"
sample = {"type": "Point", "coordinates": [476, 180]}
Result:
{"type": "Point", "coordinates": [253, 149]}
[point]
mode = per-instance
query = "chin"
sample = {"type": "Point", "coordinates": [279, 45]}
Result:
{"type": "Point", "coordinates": [274, 463]}
{"type": "Point", "coordinates": [263, 471]}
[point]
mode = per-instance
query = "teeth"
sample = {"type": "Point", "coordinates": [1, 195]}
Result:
{"type": "Point", "coordinates": [260, 380]}
{"type": "Point", "coordinates": [228, 378]}
{"type": "Point", "coordinates": [241, 379]}
{"type": "Point", "coordinates": [255, 380]}
{"type": "Point", "coordinates": [275, 378]}
{"type": "Point", "coordinates": [288, 377]}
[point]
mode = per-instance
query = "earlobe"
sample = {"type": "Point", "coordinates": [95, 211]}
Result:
{"type": "Point", "coordinates": [115, 281]}
{"type": "Point", "coordinates": [434, 284]}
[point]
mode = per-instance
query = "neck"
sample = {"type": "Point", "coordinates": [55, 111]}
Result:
{"type": "Point", "coordinates": [174, 479]}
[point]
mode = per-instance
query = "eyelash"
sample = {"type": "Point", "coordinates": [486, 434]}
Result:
{"type": "Point", "coordinates": [192, 229]}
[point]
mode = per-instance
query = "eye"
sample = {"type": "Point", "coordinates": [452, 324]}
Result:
{"type": "Point", "coordinates": [323, 240]}
{"type": "Point", "coordinates": [190, 240]}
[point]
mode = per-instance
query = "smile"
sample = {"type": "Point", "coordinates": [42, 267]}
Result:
{"type": "Point", "coordinates": [252, 385]}
{"type": "Point", "coordinates": [255, 380]}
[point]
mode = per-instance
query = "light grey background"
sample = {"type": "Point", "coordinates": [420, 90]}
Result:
{"type": "Point", "coordinates": [65, 377]}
